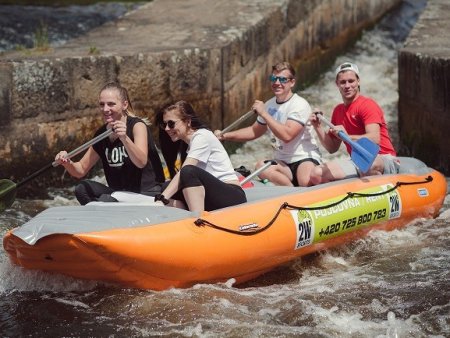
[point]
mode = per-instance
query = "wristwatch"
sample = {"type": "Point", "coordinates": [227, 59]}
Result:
{"type": "Point", "coordinates": [160, 197]}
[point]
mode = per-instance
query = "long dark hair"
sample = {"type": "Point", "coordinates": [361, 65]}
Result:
{"type": "Point", "coordinates": [172, 150]}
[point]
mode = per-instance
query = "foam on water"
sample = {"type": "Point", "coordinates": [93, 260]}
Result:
{"type": "Point", "coordinates": [14, 279]}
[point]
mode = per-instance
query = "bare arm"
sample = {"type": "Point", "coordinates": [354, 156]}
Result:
{"type": "Point", "coordinates": [372, 133]}
{"type": "Point", "coordinates": [244, 134]}
{"type": "Point", "coordinates": [81, 168]}
{"type": "Point", "coordinates": [137, 150]}
{"type": "Point", "coordinates": [285, 132]}
{"type": "Point", "coordinates": [172, 188]}
{"type": "Point", "coordinates": [331, 144]}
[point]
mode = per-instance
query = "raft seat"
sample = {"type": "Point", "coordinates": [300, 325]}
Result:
{"type": "Point", "coordinates": [264, 192]}
{"type": "Point", "coordinates": [410, 165]}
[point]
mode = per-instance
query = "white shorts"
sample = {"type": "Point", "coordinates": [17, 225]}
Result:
{"type": "Point", "coordinates": [391, 164]}
{"type": "Point", "coordinates": [349, 168]}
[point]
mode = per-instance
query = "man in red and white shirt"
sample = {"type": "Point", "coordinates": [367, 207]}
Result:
{"type": "Point", "coordinates": [358, 116]}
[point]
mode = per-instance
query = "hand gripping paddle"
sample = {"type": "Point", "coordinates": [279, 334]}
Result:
{"type": "Point", "coordinates": [8, 187]}
{"type": "Point", "coordinates": [364, 151]}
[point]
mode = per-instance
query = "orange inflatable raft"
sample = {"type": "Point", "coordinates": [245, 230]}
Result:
{"type": "Point", "coordinates": [156, 247]}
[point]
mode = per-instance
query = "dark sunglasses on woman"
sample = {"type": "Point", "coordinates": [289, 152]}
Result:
{"type": "Point", "coordinates": [171, 124]}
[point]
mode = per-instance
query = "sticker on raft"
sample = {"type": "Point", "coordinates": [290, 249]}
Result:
{"type": "Point", "coordinates": [250, 226]}
{"type": "Point", "coordinates": [354, 213]}
{"type": "Point", "coordinates": [423, 192]}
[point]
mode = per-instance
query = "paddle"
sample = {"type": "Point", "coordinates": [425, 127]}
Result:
{"type": "Point", "coordinates": [8, 187]}
{"type": "Point", "coordinates": [364, 151]}
{"type": "Point", "coordinates": [267, 164]}
{"type": "Point", "coordinates": [238, 121]}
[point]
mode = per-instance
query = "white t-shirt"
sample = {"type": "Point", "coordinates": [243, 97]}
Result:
{"type": "Point", "coordinates": [212, 156]}
{"type": "Point", "coordinates": [304, 145]}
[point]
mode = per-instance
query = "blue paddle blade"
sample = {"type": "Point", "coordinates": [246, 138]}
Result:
{"type": "Point", "coordinates": [364, 152]}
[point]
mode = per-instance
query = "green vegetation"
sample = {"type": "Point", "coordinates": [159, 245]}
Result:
{"type": "Point", "coordinates": [41, 41]}
{"type": "Point", "coordinates": [60, 2]}
{"type": "Point", "coordinates": [19, 47]}
{"type": "Point", "coordinates": [94, 50]}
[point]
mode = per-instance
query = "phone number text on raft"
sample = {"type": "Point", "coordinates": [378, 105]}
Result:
{"type": "Point", "coordinates": [351, 222]}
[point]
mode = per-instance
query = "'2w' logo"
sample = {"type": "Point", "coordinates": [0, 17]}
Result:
{"type": "Point", "coordinates": [394, 202]}
{"type": "Point", "coordinates": [304, 233]}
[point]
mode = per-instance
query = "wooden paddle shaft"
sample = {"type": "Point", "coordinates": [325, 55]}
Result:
{"type": "Point", "coordinates": [69, 155]}
{"type": "Point", "coordinates": [324, 120]}
{"type": "Point", "coordinates": [85, 146]}
{"type": "Point", "coordinates": [256, 172]}
{"type": "Point", "coordinates": [238, 121]}
{"type": "Point", "coordinates": [343, 136]}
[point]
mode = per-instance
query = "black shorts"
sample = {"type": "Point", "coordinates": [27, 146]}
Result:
{"type": "Point", "coordinates": [294, 166]}
{"type": "Point", "coordinates": [88, 191]}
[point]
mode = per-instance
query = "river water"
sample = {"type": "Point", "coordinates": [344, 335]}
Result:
{"type": "Point", "coordinates": [389, 284]}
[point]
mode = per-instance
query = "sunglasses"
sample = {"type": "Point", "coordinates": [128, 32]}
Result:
{"type": "Point", "coordinates": [282, 79]}
{"type": "Point", "coordinates": [169, 123]}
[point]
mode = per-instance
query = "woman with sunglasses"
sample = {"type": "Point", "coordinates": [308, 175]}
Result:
{"type": "Point", "coordinates": [206, 180]}
{"type": "Point", "coordinates": [286, 117]}
{"type": "Point", "coordinates": [129, 156]}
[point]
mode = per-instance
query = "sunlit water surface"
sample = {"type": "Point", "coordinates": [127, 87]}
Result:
{"type": "Point", "coordinates": [389, 284]}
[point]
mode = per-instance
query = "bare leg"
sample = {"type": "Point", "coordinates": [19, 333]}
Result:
{"type": "Point", "coordinates": [377, 167]}
{"type": "Point", "coordinates": [195, 198]}
{"type": "Point", "coordinates": [177, 204]}
{"type": "Point", "coordinates": [326, 172]}
{"type": "Point", "coordinates": [304, 173]}
{"type": "Point", "coordinates": [316, 175]}
{"type": "Point", "coordinates": [278, 174]}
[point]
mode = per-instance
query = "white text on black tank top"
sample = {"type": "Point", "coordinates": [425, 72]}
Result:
{"type": "Point", "coordinates": [117, 156]}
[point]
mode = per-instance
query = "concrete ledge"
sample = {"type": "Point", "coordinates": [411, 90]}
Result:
{"type": "Point", "coordinates": [424, 88]}
{"type": "Point", "coordinates": [215, 54]}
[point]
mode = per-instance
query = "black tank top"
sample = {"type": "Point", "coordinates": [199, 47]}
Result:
{"type": "Point", "coordinates": [120, 172]}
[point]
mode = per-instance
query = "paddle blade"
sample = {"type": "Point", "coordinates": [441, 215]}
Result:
{"type": "Point", "coordinates": [364, 152]}
{"type": "Point", "coordinates": [7, 194]}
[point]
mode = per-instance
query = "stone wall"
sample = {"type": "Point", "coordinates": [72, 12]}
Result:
{"type": "Point", "coordinates": [215, 54]}
{"type": "Point", "coordinates": [424, 88]}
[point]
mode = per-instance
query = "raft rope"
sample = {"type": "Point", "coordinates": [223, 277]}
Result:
{"type": "Point", "coordinates": [250, 230]}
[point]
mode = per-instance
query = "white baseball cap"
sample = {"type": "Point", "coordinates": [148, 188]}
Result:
{"type": "Point", "coordinates": [347, 66]}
